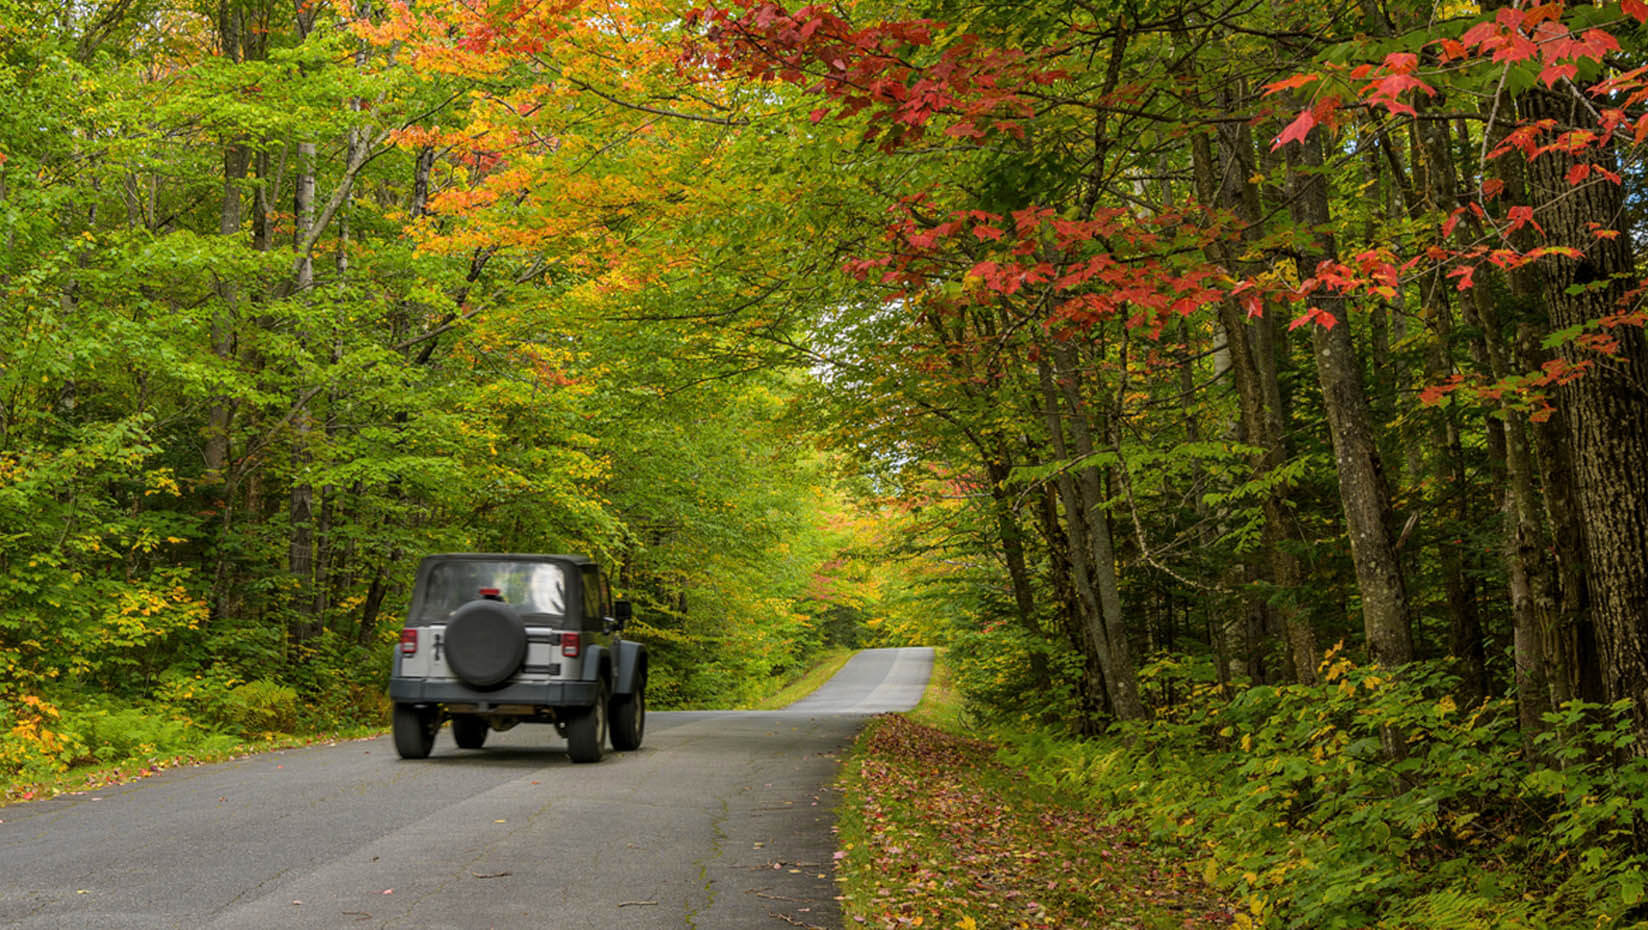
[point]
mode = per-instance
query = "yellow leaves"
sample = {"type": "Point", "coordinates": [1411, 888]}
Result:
{"type": "Point", "coordinates": [39, 706]}
{"type": "Point", "coordinates": [141, 614]}
{"type": "Point", "coordinates": [1334, 666]}
{"type": "Point", "coordinates": [160, 482]}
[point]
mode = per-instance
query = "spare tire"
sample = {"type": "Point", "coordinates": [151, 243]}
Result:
{"type": "Point", "coordinates": [485, 643]}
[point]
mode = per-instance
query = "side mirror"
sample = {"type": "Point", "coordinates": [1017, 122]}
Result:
{"type": "Point", "coordinates": [623, 612]}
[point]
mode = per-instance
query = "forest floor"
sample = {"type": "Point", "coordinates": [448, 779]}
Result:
{"type": "Point", "coordinates": [935, 832]}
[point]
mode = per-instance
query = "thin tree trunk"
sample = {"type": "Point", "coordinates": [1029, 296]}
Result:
{"type": "Point", "coordinates": [1261, 423]}
{"type": "Point", "coordinates": [1095, 524]}
{"type": "Point", "coordinates": [1362, 491]}
{"type": "Point", "coordinates": [1090, 578]}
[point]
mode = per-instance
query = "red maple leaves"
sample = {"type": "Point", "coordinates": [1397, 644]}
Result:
{"type": "Point", "coordinates": [879, 67]}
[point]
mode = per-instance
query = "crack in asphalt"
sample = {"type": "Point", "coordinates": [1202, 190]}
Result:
{"type": "Point", "coordinates": [718, 831]}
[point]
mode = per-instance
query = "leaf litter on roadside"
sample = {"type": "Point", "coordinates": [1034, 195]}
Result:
{"type": "Point", "coordinates": [937, 833]}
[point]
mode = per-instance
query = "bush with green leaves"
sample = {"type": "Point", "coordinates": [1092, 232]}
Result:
{"type": "Point", "coordinates": [1374, 799]}
{"type": "Point", "coordinates": [217, 700]}
{"type": "Point", "coordinates": [112, 733]}
{"type": "Point", "coordinates": [1007, 675]}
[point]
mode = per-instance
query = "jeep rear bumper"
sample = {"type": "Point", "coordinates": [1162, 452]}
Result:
{"type": "Point", "coordinates": [542, 694]}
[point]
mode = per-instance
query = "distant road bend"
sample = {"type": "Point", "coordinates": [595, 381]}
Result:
{"type": "Point", "coordinates": [721, 820]}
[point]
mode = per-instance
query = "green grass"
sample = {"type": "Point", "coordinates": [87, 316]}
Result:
{"type": "Point", "coordinates": [941, 704]}
{"type": "Point", "coordinates": [90, 777]}
{"type": "Point", "coordinates": [822, 669]}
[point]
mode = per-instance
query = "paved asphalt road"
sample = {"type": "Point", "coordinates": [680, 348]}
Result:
{"type": "Point", "coordinates": [721, 820]}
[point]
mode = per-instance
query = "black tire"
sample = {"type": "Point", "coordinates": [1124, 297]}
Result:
{"type": "Point", "coordinates": [469, 732]}
{"type": "Point", "coordinates": [485, 643]}
{"type": "Point", "coordinates": [586, 733]}
{"type": "Point", "coordinates": [415, 730]}
{"type": "Point", "coordinates": [628, 716]}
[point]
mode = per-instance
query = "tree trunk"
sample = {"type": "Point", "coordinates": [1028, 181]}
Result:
{"type": "Point", "coordinates": [1362, 490]}
{"type": "Point", "coordinates": [1605, 409]}
{"type": "Point", "coordinates": [1261, 422]}
{"type": "Point", "coordinates": [1092, 561]}
{"type": "Point", "coordinates": [1122, 674]}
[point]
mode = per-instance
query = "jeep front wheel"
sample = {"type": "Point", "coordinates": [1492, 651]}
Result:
{"type": "Point", "coordinates": [586, 733]}
{"type": "Point", "coordinates": [414, 729]}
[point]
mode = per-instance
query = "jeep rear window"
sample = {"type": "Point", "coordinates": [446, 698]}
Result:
{"type": "Point", "coordinates": [532, 587]}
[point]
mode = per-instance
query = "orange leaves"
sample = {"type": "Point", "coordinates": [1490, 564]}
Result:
{"type": "Point", "coordinates": [1391, 79]}
{"type": "Point", "coordinates": [1432, 394]}
{"type": "Point", "coordinates": [1289, 83]}
{"type": "Point", "coordinates": [1386, 84]}
{"type": "Point", "coordinates": [1111, 265]}
{"type": "Point", "coordinates": [1520, 216]}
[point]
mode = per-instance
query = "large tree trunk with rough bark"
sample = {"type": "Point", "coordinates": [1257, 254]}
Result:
{"type": "Point", "coordinates": [1606, 408]}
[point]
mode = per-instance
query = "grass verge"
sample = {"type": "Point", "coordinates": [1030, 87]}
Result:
{"type": "Point", "coordinates": [822, 670]}
{"type": "Point", "coordinates": [92, 777]}
{"type": "Point", "coordinates": [934, 831]}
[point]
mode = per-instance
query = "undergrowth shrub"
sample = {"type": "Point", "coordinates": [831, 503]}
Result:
{"type": "Point", "coordinates": [33, 742]}
{"type": "Point", "coordinates": [261, 707]}
{"type": "Point", "coordinates": [342, 683]}
{"type": "Point", "coordinates": [1373, 799]}
{"type": "Point", "coordinates": [217, 700]}
{"type": "Point", "coordinates": [1006, 675]}
{"type": "Point", "coordinates": [112, 734]}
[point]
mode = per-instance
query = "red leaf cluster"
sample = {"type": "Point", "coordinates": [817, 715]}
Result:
{"type": "Point", "coordinates": [875, 67]}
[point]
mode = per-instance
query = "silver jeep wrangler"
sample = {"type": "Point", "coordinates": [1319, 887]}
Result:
{"type": "Point", "coordinates": [493, 639]}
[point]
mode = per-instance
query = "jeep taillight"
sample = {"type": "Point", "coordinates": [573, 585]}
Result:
{"type": "Point", "coordinates": [569, 645]}
{"type": "Point", "coordinates": [409, 642]}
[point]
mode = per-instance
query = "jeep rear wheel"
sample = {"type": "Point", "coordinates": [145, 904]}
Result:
{"type": "Point", "coordinates": [414, 729]}
{"type": "Point", "coordinates": [485, 643]}
{"type": "Point", "coordinates": [586, 733]}
{"type": "Point", "coordinates": [469, 732]}
{"type": "Point", "coordinates": [629, 716]}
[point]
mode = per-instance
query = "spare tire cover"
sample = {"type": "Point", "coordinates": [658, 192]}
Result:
{"type": "Point", "coordinates": [485, 643]}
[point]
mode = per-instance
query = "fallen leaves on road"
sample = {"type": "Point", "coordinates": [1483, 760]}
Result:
{"type": "Point", "coordinates": [936, 833]}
